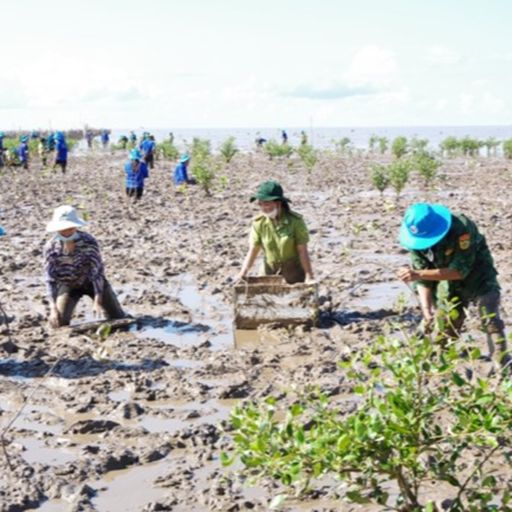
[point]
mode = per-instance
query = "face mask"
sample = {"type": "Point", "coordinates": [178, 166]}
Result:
{"type": "Point", "coordinates": [70, 238]}
{"type": "Point", "coordinates": [273, 214]}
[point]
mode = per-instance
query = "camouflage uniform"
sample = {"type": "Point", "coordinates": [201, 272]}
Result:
{"type": "Point", "coordinates": [465, 249]}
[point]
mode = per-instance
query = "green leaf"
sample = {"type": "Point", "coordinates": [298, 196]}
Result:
{"type": "Point", "coordinates": [429, 507]}
{"type": "Point", "coordinates": [359, 389]}
{"type": "Point", "coordinates": [458, 379]}
{"type": "Point", "coordinates": [225, 460]}
{"type": "Point", "coordinates": [296, 410]}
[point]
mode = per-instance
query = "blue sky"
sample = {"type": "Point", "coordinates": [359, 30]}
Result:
{"type": "Point", "coordinates": [265, 63]}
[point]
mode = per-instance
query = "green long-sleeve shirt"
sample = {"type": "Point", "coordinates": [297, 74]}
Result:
{"type": "Point", "coordinates": [463, 249]}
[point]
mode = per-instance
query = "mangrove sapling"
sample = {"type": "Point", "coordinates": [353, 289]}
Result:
{"type": "Point", "coordinates": [450, 146]}
{"type": "Point", "coordinates": [399, 147]}
{"type": "Point", "coordinates": [274, 149]}
{"type": "Point", "coordinates": [507, 148]}
{"type": "Point", "coordinates": [200, 148]}
{"type": "Point", "coordinates": [383, 145]}
{"type": "Point", "coordinates": [228, 149]}
{"type": "Point", "coordinates": [419, 422]}
{"type": "Point", "coordinates": [491, 144]}
{"type": "Point", "coordinates": [470, 147]}
{"type": "Point", "coordinates": [398, 173]}
{"type": "Point", "coordinates": [167, 150]}
{"type": "Point", "coordinates": [372, 143]}
{"type": "Point", "coordinates": [342, 145]}
{"type": "Point", "coordinates": [418, 146]}
{"type": "Point", "coordinates": [380, 178]}
{"type": "Point", "coordinates": [308, 155]}
{"type": "Point", "coordinates": [427, 166]}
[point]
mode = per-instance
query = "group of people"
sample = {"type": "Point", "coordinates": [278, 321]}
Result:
{"type": "Point", "coordinates": [54, 142]}
{"type": "Point", "coordinates": [450, 260]}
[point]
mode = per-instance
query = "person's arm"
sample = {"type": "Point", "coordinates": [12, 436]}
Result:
{"type": "Point", "coordinates": [97, 272]}
{"type": "Point", "coordinates": [305, 261]}
{"type": "Point", "coordinates": [425, 296]}
{"type": "Point", "coordinates": [408, 274]}
{"type": "Point", "coordinates": [249, 260]}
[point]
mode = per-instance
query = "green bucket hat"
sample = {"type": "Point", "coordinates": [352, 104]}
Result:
{"type": "Point", "coordinates": [269, 191]}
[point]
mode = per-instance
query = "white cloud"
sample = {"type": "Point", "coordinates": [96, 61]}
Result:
{"type": "Point", "coordinates": [442, 56]}
{"type": "Point", "coordinates": [371, 65]}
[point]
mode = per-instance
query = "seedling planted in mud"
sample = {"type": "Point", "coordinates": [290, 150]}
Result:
{"type": "Point", "coordinates": [380, 178]}
{"type": "Point", "coordinates": [228, 149]}
{"type": "Point", "coordinates": [308, 155]}
{"type": "Point", "coordinates": [427, 166]}
{"type": "Point", "coordinates": [274, 149]}
{"type": "Point", "coordinates": [399, 147]}
{"type": "Point", "coordinates": [398, 173]}
{"type": "Point", "coordinates": [419, 421]}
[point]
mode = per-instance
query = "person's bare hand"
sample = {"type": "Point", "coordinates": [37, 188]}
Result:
{"type": "Point", "coordinates": [407, 274]}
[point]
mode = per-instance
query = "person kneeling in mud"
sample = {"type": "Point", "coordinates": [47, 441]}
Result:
{"type": "Point", "coordinates": [450, 257]}
{"type": "Point", "coordinates": [283, 236]}
{"type": "Point", "coordinates": [73, 268]}
{"type": "Point", "coordinates": [136, 172]}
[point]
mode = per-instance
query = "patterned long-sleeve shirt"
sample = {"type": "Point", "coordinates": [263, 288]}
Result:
{"type": "Point", "coordinates": [82, 266]}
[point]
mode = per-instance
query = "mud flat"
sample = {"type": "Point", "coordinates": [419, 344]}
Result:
{"type": "Point", "coordinates": [142, 429]}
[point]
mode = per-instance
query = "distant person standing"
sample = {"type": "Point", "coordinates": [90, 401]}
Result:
{"type": "Point", "coordinates": [136, 173]}
{"type": "Point", "coordinates": [105, 138]}
{"type": "Point", "coordinates": [42, 151]}
{"type": "Point", "coordinates": [123, 141]}
{"type": "Point", "coordinates": [23, 152]}
{"type": "Point", "coordinates": [303, 138]}
{"type": "Point", "coordinates": [89, 137]}
{"type": "Point", "coordinates": [284, 137]}
{"type": "Point", "coordinates": [50, 142]}
{"type": "Point", "coordinates": [133, 139]}
{"type": "Point", "coordinates": [171, 138]}
{"type": "Point", "coordinates": [61, 152]}
{"type": "Point", "coordinates": [148, 146]}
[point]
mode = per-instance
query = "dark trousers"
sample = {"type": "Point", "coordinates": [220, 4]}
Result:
{"type": "Point", "coordinates": [135, 192]}
{"type": "Point", "coordinates": [292, 271]}
{"type": "Point", "coordinates": [489, 310]}
{"type": "Point", "coordinates": [62, 163]}
{"type": "Point", "coordinates": [149, 159]}
{"type": "Point", "coordinates": [68, 297]}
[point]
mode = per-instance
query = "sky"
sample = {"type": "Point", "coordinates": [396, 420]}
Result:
{"type": "Point", "coordinates": [258, 63]}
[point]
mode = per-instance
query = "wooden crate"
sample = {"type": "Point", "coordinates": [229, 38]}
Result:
{"type": "Point", "coordinates": [269, 299]}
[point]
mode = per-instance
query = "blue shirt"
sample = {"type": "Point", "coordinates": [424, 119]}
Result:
{"type": "Point", "coordinates": [147, 146]}
{"type": "Point", "coordinates": [135, 179]}
{"type": "Point", "coordinates": [23, 151]}
{"type": "Point", "coordinates": [104, 137]}
{"type": "Point", "coordinates": [180, 174]}
{"type": "Point", "coordinates": [62, 150]}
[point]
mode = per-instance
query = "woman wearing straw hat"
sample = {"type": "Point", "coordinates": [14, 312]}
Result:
{"type": "Point", "coordinates": [282, 234]}
{"type": "Point", "coordinates": [73, 268]}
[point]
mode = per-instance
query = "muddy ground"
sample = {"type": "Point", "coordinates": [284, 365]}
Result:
{"type": "Point", "coordinates": [142, 429]}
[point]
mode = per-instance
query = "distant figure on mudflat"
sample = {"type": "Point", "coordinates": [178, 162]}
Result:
{"type": "Point", "coordinates": [61, 152]}
{"type": "Point", "coordinates": [283, 236]}
{"type": "Point", "coordinates": [136, 173]}
{"type": "Point", "coordinates": [147, 147]}
{"type": "Point", "coordinates": [73, 268]}
{"type": "Point", "coordinates": [284, 137]}
{"type": "Point", "coordinates": [180, 176]}
{"type": "Point", "coordinates": [89, 137]}
{"type": "Point", "coordinates": [303, 138]}
{"type": "Point", "coordinates": [23, 151]}
{"type": "Point", "coordinates": [105, 138]}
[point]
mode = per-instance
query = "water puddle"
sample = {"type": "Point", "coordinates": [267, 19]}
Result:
{"type": "Point", "coordinates": [375, 296]}
{"type": "Point", "coordinates": [212, 319]}
{"type": "Point", "coordinates": [122, 395]}
{"type": "Point", "coordinates": [37, 451]}
{"type": "Point", "coordinates": [251, 339]}
{"type": "Point", "coordinates": [135, 486]}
